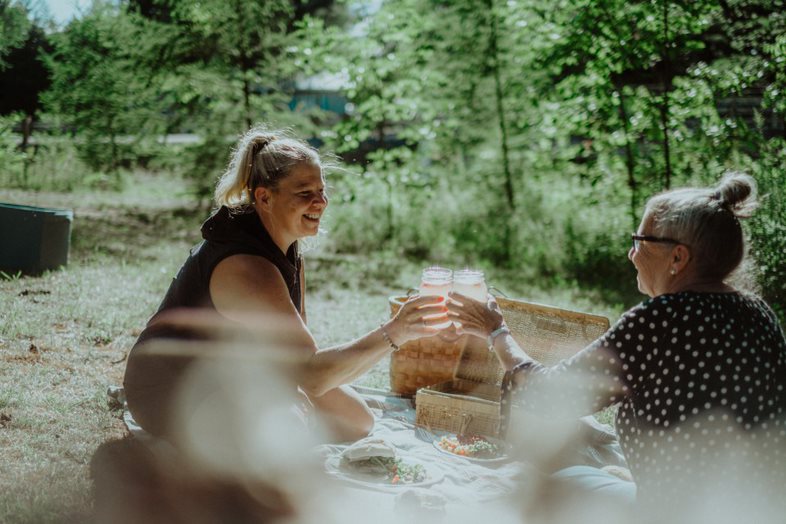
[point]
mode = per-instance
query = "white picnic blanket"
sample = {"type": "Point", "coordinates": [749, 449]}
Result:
{"type": "Point", "coordinates": [465, 490]}
{"type": "Point", "coordinates": [470, 491]}
{"type": "Point", "coordinates": [394, 422]}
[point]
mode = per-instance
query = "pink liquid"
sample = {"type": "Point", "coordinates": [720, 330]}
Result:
{"type": "Point", "coordinates": [432, 290]}
{"type": "Point", "coordinates": [440, 289]}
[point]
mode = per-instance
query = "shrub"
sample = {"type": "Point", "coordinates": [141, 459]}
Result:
{"type": "Point", "coordinates": [768, 226]}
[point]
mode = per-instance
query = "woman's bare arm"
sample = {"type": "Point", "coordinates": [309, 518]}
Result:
{"type": "Point", "coordinates": [241, 284]}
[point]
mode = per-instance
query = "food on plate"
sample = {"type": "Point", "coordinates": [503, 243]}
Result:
{"type": "Point", "coordinates": [377, 457]}
{"type": "Point", "coordinates": [367, 448]}
{"type": "Point", "coordinates": [473, 446]}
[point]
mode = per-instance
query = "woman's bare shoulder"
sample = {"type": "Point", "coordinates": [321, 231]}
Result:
{"type": "Point", "coordinates": [244, 266]}
{"type": "Point", "coordinates": [248, 282]}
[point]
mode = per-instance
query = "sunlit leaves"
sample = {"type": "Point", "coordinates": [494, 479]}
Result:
{"type": "Point", "coordinates": [96, 86]}
{"type": "Point", "coordinates": [14, 27]}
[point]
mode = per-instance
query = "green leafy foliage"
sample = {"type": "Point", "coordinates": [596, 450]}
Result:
{"type": "Point", "coordinates": [14, 26]}
{"type": "Point", "coordinates": [604, 102]}
{"type": "Point", "coordinates": [96, 88]}
{"type": "Point", "coordinates": [524, 135]}
{"type": "Point", "coordinates": [768, 227]}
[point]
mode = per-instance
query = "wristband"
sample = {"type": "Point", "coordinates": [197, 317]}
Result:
{"type": "Point", "coordinates": [387, 338]}
{"type": "Point", "coordinates": [503, 329]}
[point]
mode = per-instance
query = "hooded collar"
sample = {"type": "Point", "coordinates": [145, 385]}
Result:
{"type": "Point", "coordinates": [243, 226]}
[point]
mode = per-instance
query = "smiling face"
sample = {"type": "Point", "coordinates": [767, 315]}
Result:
{"type": "Point", "coordinates": [651, 261]}
{"type": "Point", "coordinates": [294, 208]}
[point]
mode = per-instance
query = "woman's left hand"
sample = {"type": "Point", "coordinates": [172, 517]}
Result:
{"type": "Point", "coordinates": [474, 317]}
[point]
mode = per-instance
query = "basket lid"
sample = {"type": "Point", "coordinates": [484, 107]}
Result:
{"type": "Point", "coordinates": [550, 334]}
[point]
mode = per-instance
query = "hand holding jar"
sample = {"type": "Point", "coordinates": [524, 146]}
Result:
{"type": "Point", "coordinates": [420, 316]}
{"type": "Point", "coordinates": [437, 281]}
{"type": "Point", "coordinates": [474, 317]}
{"type": "Point", "coordinates": [464, 283]}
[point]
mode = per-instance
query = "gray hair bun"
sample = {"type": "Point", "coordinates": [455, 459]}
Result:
{"type": "Point", "coordinates": [736, 192]}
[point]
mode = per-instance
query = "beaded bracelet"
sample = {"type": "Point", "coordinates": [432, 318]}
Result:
{"type": "Point", "coordinates": [388, 339]}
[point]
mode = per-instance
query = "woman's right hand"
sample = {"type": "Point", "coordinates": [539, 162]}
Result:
{"type": "Point", "coordinates": [473, 316]}
{"type": "Point", "coordinates": [417, 318]}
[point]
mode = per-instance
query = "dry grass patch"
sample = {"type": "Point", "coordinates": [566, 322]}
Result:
{"type": "Point", "coordinates": [63, 340]}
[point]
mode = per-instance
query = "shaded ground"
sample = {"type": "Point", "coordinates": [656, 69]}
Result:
{"type": "Point", "coordinates": [64, 335]}
{"type": "Point", "coordinates": [63, 339]}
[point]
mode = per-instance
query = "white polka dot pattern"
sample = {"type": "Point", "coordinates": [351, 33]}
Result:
{"type": "Point", "coordinates": [700, 381]}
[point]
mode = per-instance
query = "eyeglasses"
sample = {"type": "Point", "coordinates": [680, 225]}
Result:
{"type": "Point", "coordinates": [647, 238]}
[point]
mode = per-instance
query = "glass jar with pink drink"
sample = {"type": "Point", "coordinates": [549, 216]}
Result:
{"type": "Point", "coordinates": [471, 283]}
{"type": "Point", "coordinates": [436, 281]}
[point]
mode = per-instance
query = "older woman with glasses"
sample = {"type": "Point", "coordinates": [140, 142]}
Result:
{"type": "Point", "coordinates": [697, 370]}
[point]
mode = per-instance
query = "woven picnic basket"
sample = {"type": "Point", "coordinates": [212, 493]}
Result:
{"type": "Point", "coordinates": [422, 362]}
{"type": "Point", "coordinates": [471, 402]}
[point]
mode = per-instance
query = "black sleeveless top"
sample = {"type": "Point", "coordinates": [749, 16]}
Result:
{"type": "Point", "coordinates": [225, 234]}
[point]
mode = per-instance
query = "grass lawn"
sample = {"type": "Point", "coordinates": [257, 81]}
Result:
{"type": "Point", "coordinates": [64, 335]}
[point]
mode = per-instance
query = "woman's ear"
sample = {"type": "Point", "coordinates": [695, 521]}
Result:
{"type": "Point", "coordinates": [680, 256]}
{"type": "Point", "coordinates": [262, 196]}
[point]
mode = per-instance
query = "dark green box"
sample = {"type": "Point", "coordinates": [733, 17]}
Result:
{"type": "Point", "coordinates": [33, 239]}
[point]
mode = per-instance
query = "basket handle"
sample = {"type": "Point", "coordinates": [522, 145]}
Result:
{"type": "Point", "coordinates": [497, 292]}
{"type": "Point", "coordinates": [466, 418]}
{"type": "Point", "coordinates": [411, 291]}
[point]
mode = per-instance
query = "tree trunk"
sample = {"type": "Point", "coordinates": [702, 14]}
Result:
{"type": "Point", "coordinates": [664, 104]}
{"type": "Point", "coordinates": [114, 161]}
{"type": "Point", "coordinates": [630, 161]}
{"type": "Point", "coordinates": [389, 211]}
{"type": "Point", "coordinates": [27, 130]}
{"type": "Point", "coordinates": [493, 55]}
{"type": "Point", "coordinates": [245, 62]}
{"type": "Point", "coordinates": [500, 106]}
{"type": "Point", "coordinates": [247, 100]}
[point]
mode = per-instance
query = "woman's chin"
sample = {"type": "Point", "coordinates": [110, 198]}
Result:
{"type": "Point", "coordinates": [310, 228]}
{"type": "Point", "coordinates": [309, 232]}
{"type": "Point", "coordinates": [641, 287]}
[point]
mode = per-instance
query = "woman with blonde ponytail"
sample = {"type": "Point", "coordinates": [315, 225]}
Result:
{"type": "Point", "coordinates": [248, 264]}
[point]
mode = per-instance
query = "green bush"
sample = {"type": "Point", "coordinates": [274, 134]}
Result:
{"type": "Point", "coordinates": [768, 226]}
{"type": "Point", "coordinates": [51, 164]}
{"type": "Point", "coordinates": [203, 163]}
{"type": "Point", "coordinates": [12, 159]}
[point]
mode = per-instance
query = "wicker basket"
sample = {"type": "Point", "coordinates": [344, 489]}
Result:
{"type": "Point", "coordinates": [471, 401]}
{"type": "Point", "coordinates": [422, 362]}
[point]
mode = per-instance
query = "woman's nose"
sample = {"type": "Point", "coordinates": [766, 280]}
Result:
{"type": "Point", "coordinates": [321, 199]}
{"type": "Point", "coordinates": [630, 253]}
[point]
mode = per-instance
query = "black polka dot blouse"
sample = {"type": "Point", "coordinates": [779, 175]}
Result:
{"type": "Point", "coordinates": [699, 379]}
